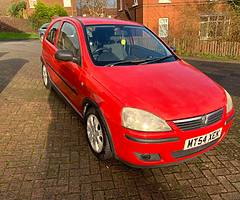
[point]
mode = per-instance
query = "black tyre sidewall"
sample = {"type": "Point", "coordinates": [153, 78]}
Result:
{"type": "Point", "coordinates": [106, 152]}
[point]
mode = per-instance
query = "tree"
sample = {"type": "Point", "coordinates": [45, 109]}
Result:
{"type": "Point", "coordinates": [44, 13]}
{"type": "Point", "coordinates": [235, 20]}
{"type": "Point", "coordinates": [235, 3]}
{"type": "Point", "coordinates": [17, 9]}
{"type": "Point", "coordinates": [94, 8]}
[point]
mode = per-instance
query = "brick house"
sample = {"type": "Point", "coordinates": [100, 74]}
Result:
{"type": "Point", "coordinates": [5, 5]}
{"type": "Point", "coordinates": [73, 7]}
{"type": "Point", "coordinates": [69, 5]}
{"type": "Point", "coordinates": [178, 18]}
{"type": "Point", "coordinates": [107, 12]}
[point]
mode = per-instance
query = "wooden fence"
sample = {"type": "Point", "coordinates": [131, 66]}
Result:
{"type": "Point", "coordinates": [218, 48]}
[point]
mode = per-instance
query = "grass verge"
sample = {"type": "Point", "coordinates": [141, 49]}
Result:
{"type": "Point", "coordinates": [17, 36]}
{"type": "Point", "coordinates": [210, 56]}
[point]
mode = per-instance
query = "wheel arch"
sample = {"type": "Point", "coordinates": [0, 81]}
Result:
{"type": "Point", "coordinates": [89, 103]}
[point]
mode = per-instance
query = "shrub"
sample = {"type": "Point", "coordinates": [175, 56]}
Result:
{"type": "Point", "coordinates": [58, 11]}
{"type": "Point", "coordinates": [17, 9]}
{"type": "Point", "coordinates": [44, 13]}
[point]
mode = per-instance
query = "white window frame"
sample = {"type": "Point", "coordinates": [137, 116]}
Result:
{"type": "Point", "coordinates": [120, 5]}
{"type": "Point", "coordinates": [164, 1]}
{"type": "Point", "coordinates": [32, 3]}
{"type": "Point", "coordinates": [135, 3]}
{"type": "Point", "coordinates": [225, 20]}
{"type": "Point", "coordinates": [67, 3]}
{"type": "Point", "coordinates": [160, 20]}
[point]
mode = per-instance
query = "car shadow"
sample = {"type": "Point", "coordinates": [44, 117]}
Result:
{"type": "Point", "coordinates": [73, 164]}
{"type": "Point", "coordinates": [8, 69]}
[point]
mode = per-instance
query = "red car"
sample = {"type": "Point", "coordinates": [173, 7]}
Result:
{"type": "Point", "coordinates": [140, 102]}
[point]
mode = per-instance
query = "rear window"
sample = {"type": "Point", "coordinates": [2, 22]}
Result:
{"type": "Point", "coordinates": [52, 33]}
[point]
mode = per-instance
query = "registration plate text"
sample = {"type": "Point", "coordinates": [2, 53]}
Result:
{"type": "Point", "coordinates": [203, 139]}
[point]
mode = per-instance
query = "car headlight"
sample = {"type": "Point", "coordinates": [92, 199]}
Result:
{"type": "Point", "coordinates": [229, 102]}
{"type": "Point", "coordinates": [141, 120]}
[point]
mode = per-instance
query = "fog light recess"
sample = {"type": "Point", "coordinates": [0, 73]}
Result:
{"type": "Point", "coordinates": [148, 157]}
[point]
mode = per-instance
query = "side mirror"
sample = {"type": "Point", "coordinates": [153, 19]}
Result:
{"type": "Point", "coordinates": [173, 48]}
{"type": "Point", "coordinates": [67, 56]}
{"type": "Point", "coordinates": [64, 55]}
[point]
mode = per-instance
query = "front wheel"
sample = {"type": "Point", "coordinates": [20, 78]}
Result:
{"type": "Point", "coordinates": [96, 135]}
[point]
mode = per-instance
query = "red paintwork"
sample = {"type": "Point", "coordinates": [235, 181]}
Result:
{"type": "Point", "coordinates": [89, 21]}
{"type": "Point", "coordinates": [172, 90]}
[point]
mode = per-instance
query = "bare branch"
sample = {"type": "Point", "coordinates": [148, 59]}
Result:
{"type": "Point", "coordinates": [94, 7]}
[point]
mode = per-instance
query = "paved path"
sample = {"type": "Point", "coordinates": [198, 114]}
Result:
{"type": "Point", "coordinates": [44, 153]}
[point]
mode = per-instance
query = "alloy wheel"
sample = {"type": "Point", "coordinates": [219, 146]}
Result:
{"type": "Point", "coordinates": [95, 133]}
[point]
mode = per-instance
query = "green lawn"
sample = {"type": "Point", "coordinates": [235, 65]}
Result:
{"type": "Point", "coordinates": [210, 57]}
{"type": "Point", "coordinates": [17, 36]}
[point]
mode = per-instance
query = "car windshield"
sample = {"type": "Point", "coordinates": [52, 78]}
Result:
{"type": "Point", "coordinates": [111, 45]}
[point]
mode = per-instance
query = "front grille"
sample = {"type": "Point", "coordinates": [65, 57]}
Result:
{"type": "Point", "coordinates": [200, 121]}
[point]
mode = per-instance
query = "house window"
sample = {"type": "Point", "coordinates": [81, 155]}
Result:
{"type": "Point", "coordinates": [32, 3]}
{"type": "Point", "coordinates": [164, 1]}
{"type": "Point", "coordinates": [120, 5]}
{"type": "Point", "coordinates": [163, 27]}
{"type": "Point", "coordinates": [67, 3]}
{"type": "Point", "coordinates": [135, 3]}
{"type": "Point", "coordinates": [213, 26]}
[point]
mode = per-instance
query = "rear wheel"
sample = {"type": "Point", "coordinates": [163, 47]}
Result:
{"type": "Point", "coordinates": [45, 77]}
{"type": "Point", "coordinates": [96, 135]}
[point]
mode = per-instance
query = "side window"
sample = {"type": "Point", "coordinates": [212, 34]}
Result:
{"type": "Point", "coordinates": [52, 33]}
{"type": "Point", "coordinates": [68, 39]}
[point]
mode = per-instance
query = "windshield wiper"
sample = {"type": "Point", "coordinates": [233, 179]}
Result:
{"type": "Point", "coordinates": [143, 61]}
{"type": "Point", "coordinates": [126, 62]}
{"type": "Point", "coordinates": [158, 59]}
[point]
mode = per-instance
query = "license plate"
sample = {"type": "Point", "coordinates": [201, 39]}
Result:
{"type": "Point", "coordinates": [203, 139]}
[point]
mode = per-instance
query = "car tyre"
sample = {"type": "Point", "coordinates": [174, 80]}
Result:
{"type": "Point", "coordinates": [45, 77]}
{"type": "Point", "coordinates": [96, 133]}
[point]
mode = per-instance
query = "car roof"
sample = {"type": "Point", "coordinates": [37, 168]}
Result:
{"type": "Point", "coordinates": [98, 21]}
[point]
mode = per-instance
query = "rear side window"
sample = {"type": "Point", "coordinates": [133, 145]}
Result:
{"type": "Point", "coordinates": [68, 39]}
{"type": "Point", "coordinates": [52, 33]}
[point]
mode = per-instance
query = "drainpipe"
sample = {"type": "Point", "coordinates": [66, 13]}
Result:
{"type": "Point", "coordinates": [127, 12]}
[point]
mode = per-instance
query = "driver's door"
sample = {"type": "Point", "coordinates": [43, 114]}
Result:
{"type": "Point", "coordinates": [70, 72]}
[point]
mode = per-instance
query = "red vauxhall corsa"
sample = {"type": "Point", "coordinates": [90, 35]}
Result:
{"type": "Point", "coordinates": [140, 102]}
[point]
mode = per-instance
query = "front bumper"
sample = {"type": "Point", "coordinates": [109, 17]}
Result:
{"type": "Point", "coordinates": [166, 148]}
